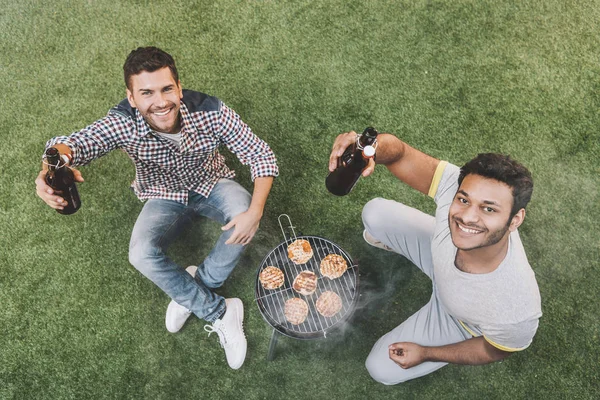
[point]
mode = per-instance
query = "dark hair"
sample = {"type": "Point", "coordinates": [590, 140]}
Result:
{"type": "Point", "coordinates": [148, 59]}
{"type": "Point", "coordinates": [504, 169]}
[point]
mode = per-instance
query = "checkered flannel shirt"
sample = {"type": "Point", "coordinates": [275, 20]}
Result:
{"type": "Point", "coordinates": [163, 169]}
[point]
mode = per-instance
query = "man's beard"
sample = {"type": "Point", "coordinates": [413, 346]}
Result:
{"type": "Point", "coordinates": [492, 238]}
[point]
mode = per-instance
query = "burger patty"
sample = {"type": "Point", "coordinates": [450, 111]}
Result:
{"type": "Point", "coordinates": [305, 283]}
{"type": "Point", "coordinates": [271, 277]}
{"type": "Point", "coordinates": [300, 251]}
{"type": "Point", "coordinates": [329, 304]}
{"type": "Point", "coordinates": [296, 310]}
{"type": "Point", "coordinates": [333, 266]}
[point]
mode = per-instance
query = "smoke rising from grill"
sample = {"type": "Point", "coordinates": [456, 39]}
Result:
{"type": "Point", "coordinates": [387, 283]}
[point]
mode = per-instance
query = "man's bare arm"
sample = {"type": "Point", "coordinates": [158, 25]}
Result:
{"type": "Point", "coordinates": [408, 164]}
{"type": "Point", "coordinates": [474, 351]}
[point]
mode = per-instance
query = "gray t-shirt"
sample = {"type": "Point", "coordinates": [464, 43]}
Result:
{"type": "Point", "coordinates": [504, 305]}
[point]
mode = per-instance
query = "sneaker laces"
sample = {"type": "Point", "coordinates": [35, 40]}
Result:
{"type": "Point", "coordinates": [220, 330]}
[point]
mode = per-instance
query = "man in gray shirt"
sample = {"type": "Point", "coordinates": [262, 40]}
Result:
{"type": "Point", "coordinates": [485, 303]}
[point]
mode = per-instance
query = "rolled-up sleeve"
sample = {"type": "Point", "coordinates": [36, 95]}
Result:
{"type": "Point", "coordinates": [249, 148]}
{"type": "Point", "coordinates": [95, 140]}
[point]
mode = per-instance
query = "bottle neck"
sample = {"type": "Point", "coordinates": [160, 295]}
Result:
{"type": "Point", "coordinates": [368, 137]}
{"type": "Point", "coordinates": [366, 141]}
{"type": "Point", "coordinates": [53, 159]}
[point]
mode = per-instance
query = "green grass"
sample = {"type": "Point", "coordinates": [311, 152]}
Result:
{"type": "Point", "coordinates": [452, 78]}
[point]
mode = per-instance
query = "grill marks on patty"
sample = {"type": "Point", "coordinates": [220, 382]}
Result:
{"type": "Point", "coordinates": [305, 283]}
{"type": "Point", "coordinates": [296, 310]}
{"type": "Point", "coordinates": [300, 251]}
{"type": "Point", "coordinates": [329, 304]}
{"type": "Point", "coordinates": [271, 277]}
{"type": "Point", "coordinates": [333, 266]}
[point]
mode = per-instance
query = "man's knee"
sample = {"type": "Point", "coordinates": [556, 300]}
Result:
{"type": "Point", "coordinates": [373, 214]}
{"type": "Point", "coordinates": [241, 203]}
{"type": "Point", "coordinates": [383, 370]}
{"type": "Point", "coordinates": [237, 201]}
{"type": "Point", "coordinates": [140, 253]}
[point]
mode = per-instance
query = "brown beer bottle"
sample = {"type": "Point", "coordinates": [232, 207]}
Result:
{"type": "Point", "coordinates": [352, 163]}
{"type": "Point", "coordinates": [61, 179]}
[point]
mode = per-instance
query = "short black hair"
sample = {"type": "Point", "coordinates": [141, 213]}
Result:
{"type": "Point", "coordinates": [503, 169]}
{"type": "Point", "coordinates": [148, 59]}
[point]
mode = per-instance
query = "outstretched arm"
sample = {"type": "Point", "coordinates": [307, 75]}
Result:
{"type": "Point", "coordinates": [84, 146]}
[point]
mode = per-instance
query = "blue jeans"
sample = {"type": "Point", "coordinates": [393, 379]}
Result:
{"type": "Point", "coordinates": [161, 221]}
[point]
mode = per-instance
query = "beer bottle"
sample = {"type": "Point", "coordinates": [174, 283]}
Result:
{"type": "Point", "coordinates": [61, 179]}
{"type": "Point", "coordinates": [352, 163]}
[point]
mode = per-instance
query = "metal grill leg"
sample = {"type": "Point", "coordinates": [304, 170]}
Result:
{"type": "Point", "coordinates": [272, 345]}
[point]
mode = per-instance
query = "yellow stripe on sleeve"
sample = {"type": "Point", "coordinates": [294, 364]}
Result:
{"type": "Point", "coordinates": [467, 329]}
{"type": "Point", "coordinates": [503, 348]}
{"type": "Point", "coordinates": [496, 345]}
{"type": "Point", "coordinates": [437, 177]}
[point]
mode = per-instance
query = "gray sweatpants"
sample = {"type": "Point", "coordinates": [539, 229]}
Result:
{"type": "Point", "coordinates": [408, 232]}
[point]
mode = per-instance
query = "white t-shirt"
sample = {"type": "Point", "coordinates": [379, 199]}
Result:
{"type": "Point", "coordinates": [174, 138]}
{"type": "Point", "coordinates": [504, 305]}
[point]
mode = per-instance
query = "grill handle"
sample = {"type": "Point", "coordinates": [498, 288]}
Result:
{"type": "Point", "coordinates": [290, 227]}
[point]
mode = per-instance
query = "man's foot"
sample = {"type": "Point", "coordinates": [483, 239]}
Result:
{"type": "Point", "coordinates": [374, 242]}
{"type": "Point", "coordinates": [231, 332]}
{"type": "Point", "coordinates": [177, 314]}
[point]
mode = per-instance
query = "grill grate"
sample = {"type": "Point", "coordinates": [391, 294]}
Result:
{"type": "Point", "coordinates": [272, 302]}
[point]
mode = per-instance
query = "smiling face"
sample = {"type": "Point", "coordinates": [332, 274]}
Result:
{"type": "Point", "coordinates": [480, 214]}
{"type": "Point", "coordinates": [157, 96]}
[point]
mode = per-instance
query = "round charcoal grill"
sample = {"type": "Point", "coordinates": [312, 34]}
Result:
{"type": "Point", "coordinates": [271, 303]}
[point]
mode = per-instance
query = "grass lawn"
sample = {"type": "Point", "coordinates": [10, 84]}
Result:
{"type": "Point", "coordinates": [452, 78]}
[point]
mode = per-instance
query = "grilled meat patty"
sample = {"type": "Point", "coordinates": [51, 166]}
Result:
{"type": "Point", "coordinates": [300, 251]}
{"type": "Point", "coordinates": [329, 304]}
{"type": "Point", "coordinates": [271, 277]}
{"type": "Point", "coordinates": [296, 310]}
{"type": "Point", "coordinates": [305, 283]}
{"type": "Point", "coordinates": [333, 266]}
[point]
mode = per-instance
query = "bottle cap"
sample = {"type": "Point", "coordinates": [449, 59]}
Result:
{"type": "Point", "coordinates": [369, 151]}
{"type": "Point", "coordinates": [51, 151]}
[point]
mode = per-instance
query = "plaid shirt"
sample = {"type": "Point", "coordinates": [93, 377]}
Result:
{"type": "Point", "coordinates": [163, 169]}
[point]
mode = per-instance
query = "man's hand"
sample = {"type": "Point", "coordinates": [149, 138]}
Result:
{"type": "Point", "coordinates": [339, 146]}
{"type": "Point", "coordinates": [246, 225]}
{"type": "Point", "coordinates": [406, 354]}
{"type": "Point", "coordinates": [47, 194]}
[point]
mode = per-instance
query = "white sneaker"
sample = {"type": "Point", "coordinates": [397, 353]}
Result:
{"type": "Point", "coordinates": [374, 242]}
{"type": "Point", "coordinates": [177, 314]}
{"type": "Point", "coordinates": [230, 329]}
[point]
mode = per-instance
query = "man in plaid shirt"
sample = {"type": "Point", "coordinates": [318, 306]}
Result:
{"type": "Point", "coordinates": [172, 136]}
